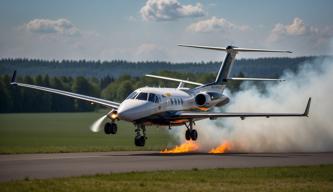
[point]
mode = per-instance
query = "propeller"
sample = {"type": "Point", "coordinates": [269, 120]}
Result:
{"type": "Point", "coordinates": [96, 126]}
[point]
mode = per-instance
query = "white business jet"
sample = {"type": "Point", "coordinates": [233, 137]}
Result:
{"type": "Point", "coordinates": [174, 106]}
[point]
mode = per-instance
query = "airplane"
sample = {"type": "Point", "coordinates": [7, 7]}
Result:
{"type": "Point", "coordinates": [179, 106]}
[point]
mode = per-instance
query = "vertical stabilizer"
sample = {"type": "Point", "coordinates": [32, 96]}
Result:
{"type": "Point", "coordinates": [226, 67]}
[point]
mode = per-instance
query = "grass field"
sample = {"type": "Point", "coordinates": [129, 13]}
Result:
{"type": "Point", "coordinates": [69, 132]}
{"type": "Point", "coordinates": [310, 178]}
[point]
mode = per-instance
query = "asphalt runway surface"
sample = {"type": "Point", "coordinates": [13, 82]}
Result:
{"type": "Point", "coordinates": [15, 167]}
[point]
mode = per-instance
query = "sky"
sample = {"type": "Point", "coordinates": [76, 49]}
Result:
{"type": "Point", "coordinates": [138, 30]}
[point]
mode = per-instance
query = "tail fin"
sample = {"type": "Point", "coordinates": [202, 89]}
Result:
{"type": "Point", "coordinates": [229, 60]}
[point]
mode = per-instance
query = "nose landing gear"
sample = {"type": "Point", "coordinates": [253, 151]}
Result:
{"type": "Point", "coordinates": [140, 139]}
{"type": "Point", "coordinates": [110, 128]}
{"type": "Point", "coordinates": [190, 132]}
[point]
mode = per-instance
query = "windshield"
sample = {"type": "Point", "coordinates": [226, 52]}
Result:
{"type": "Point", "coordinates": [132, 95]}
{"type": "Point", "coordinates": [142, 96]}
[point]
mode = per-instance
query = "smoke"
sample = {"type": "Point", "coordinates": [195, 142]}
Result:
{"type": "Point", "coordinates": [96, 126]}
{"type": "Point", "coordinates": [282, 134]}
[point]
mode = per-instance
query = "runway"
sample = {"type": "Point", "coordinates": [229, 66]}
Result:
{"type": "Point", "coordinates": [15, 167]}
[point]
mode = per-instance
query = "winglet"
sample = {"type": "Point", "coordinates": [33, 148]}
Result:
{"type": "Point", "coordinates": [307, 109]}
{"type": "Point", "coordinates": [13, 81]}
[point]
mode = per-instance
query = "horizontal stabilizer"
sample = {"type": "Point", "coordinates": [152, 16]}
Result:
{"type": "Point", "coordinates": [174, 79]}
{"type": "Point", "coordinates": [232, 48]}
{"type": "Point", "coordinates": [253, 79]}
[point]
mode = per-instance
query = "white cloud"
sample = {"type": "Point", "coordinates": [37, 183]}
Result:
{"type": "Point", "coordinates": [215, 24]}
{"type": "Point", "coordinates": [167, 10]}
{"type": "Point", "coordinates": [301, 37]}
{"type": "Point", "coordinates": [298, 28]}
{"type": "Point", "coordinates": [48, 26]}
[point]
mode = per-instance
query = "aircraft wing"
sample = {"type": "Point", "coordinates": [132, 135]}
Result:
{"type": "Point", "coordinates": [203, 115]}
{"type": "Point", "coordinates": [103, 102]}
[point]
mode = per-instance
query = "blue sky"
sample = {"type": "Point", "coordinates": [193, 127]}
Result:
{"type": "Point", "coordinates": [150, 30]}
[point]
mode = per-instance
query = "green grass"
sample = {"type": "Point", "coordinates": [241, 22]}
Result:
{"type": "Point", "coordinates": [305, 178]}
{"type": "Point", "coordinates": [69, 132]}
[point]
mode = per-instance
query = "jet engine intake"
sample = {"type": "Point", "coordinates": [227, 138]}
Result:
{"type": "Point", "coordinates": [202, 99]}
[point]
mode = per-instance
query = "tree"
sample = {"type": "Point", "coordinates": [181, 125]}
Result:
{"type": "Point", "coordinates": [5, 98]}
{"type": "Point", "coordinates": [29, 97]}
{"type": "Point", "coordinates": [105, 81]}
{"type": "Point", "coordinates": [81, 85]}
{"type": "Point", "coordinates": [125, 88]}
{"type": "Point", "coordinates": [60, 103]}
{"type": "Point", "coordinates": [44, 99]}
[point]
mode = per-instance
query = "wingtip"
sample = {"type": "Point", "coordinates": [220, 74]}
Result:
{"type": "Point", "coordinates": [13, 80]}
{"type": "Point", "coordinates": [182, 45]}
{"type": "Point", "coordinates": [307, 109]}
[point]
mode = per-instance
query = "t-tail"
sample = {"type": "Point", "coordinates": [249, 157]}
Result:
{"type": "Point", "coordinates": [224, 72]}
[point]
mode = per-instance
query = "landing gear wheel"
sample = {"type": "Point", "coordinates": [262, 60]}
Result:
{"type": "Point", "coordinates": [113, 128]}
{"type": "Point", "coordinates": [107, 128]}
{"type": "Point", "coordinates": [188, 135]}
{"type": "Point", "coordinates": [140, 141]}
{"type": "Point", "coordinates": [194, 134]}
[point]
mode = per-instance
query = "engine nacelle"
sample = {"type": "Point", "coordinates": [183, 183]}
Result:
{"type": "Point", "coordinates": [209, 99]}
{"type": "Point", "coordinates": [202, 99]}
{"type": "Point", "coordinates": [224, 100]}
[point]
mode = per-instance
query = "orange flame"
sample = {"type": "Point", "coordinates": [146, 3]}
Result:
{"type": "Point", "coordinates": [188, 146]}
{"type": "Point", "coordinates": [224, 147]}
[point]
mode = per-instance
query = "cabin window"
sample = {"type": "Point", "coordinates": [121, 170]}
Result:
{"type": "Point", "coordinates": [142, 96]}
{"type": "Point", "coordinates": [159, 99]}
{"type": "Point", "coordinates": [153, 98]}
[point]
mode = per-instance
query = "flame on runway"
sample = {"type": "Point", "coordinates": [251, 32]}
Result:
{"type": "Point", "coordinates": [223, 148]}
{"type": "Point", "coordinates": [188, 146]}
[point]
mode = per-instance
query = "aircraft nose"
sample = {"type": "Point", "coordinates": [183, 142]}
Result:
{"type": "Point", "coordinates": [124, 114]}
{"type": "Point", "coordinates": [131, 110]}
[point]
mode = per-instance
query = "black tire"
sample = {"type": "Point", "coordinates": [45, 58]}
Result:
{"type": "Point", "coordinates": [107, 128]}
{"type": "Point", "coordinates": [194, 134]}
{"type": "Point", "coordinates": [187, 135]}
{"type": "Point", "coordinates": [113, 128]}
{"type": "Point", "coordinates": [139, 141]}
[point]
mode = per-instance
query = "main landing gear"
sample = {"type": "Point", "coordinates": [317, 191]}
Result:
{"type": "Point", "coordinates": [110, 128]}
{"type": "Point", "coordinates": [140, 138]}
{"type": "Point", "coordinates": [190, 132]}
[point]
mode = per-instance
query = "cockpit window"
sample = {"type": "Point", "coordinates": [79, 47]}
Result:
{"type": "Point", "coordinates": [142, 96]}
{"type": "Point", "coordinates": [132, 95]}
{"type": "Point", "coordinates": [153, 98]}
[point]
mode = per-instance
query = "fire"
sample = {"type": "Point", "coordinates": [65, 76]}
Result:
{"type": "Point", "coordinates": [188, 146]}
{"type": "Point", "coordinates": [224, 147]}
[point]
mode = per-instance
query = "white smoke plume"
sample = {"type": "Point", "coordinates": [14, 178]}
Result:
{"type": "Point", "coordinates": [282, 134]}
{"type": "Point", "coordinates": [97, 125]}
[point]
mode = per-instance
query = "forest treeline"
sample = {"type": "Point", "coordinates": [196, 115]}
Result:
{"type": "Point", "coordinates": [260, 67]}
{"type": "Point", "coordinates": [19, 99]}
